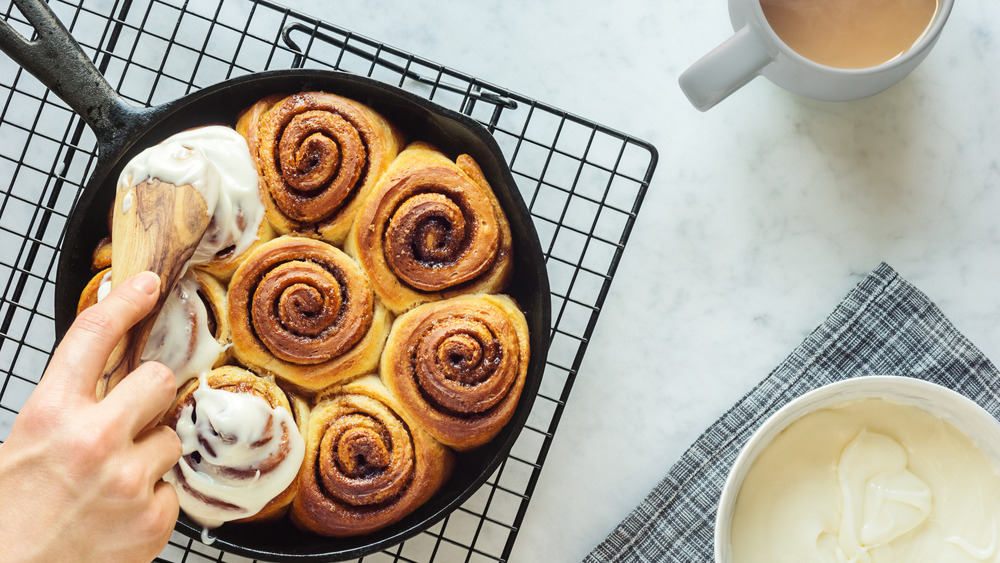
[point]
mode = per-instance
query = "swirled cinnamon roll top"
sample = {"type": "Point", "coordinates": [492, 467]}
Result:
{"type": "Point", "coordinates": [431, 229]}
{"type": "Point", "coordinates": [318, 155]}
{"type": "Point", "coordinates": [303, 310]}
{"type": "Point", "coordinates": [458, 366]}
{"type": "Point", "coordinates": [366, 465]}
{"type": "Point", "coordinates": [242, 448]}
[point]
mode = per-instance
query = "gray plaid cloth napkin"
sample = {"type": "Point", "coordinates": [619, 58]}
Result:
{"type": "Point", "coordinates": [884, 326]}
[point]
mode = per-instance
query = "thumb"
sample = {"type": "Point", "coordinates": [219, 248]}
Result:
{"type": "Point", "coordinates": [79, 360]}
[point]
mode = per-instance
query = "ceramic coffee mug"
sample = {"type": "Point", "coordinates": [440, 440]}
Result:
{"type": "Point", "coordinates": [756, 48]}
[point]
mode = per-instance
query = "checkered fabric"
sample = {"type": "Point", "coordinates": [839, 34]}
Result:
{"type": "Point", "coordinates": [884, 326]}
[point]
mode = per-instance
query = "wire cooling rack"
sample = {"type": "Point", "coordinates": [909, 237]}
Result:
{"type": "Point", "coordinates": [583, 184]}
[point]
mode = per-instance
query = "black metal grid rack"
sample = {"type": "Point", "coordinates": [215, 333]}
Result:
{"type": "Point", "coordinates": [583, 184]}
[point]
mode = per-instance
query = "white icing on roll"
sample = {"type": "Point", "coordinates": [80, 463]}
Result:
{"type": "Point", "coordinates": [180, 338]}
{"type": "Point", "coordinates": [226, 438]}
{"type": "Point", "coordinates": [104, 288]}
{"type": "Point", "coordinates": [216, 161]}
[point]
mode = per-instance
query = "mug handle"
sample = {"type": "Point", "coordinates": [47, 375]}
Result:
{"type": "Point", "coordinates": [725, 69]}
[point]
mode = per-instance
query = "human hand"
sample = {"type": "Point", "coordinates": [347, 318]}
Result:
{"type": "Point", "coordinates": [80, 479]}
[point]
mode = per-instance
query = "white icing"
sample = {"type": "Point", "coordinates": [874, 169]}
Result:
{"type": "Point", "coordinates": [180, 338]}
{"type": "Point", "coordinates": [231, 430]}
{"type": "Point", "coordinates": [880, 499]}
{"type": "Point", "coordinates": [981, 553]}
{"type": "Point", "coordinates": [205, 537]}
{"type": "Point", "coordinates": [127, 202]}
{"type": "Point", "coordinates": [868, 481]}
{"type": "Point", "coordinates": [104, 288]}
{"type": "Point", "coordinates": [216, 161]}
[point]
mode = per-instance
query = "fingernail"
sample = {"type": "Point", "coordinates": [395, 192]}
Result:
{"type": "Point", "coordinates": [147, 282]}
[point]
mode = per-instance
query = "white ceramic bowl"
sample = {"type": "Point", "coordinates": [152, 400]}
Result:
{"type": "Point", "coordinates": [957, 409]}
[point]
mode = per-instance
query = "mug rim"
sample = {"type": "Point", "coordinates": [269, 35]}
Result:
{"type": "Point", "coordinates": [924, 42]}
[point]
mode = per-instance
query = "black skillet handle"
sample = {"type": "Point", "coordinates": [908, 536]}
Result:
{"type": "Point", "coordinates": [57, 60]}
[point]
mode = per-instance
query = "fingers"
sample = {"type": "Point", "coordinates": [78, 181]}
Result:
{"type": "Point", "coordinates": [165, 499]}
{"type": "Point", "coordinates": [79, 360]}
{"type": "Point", "coordinates": [142, 397]}
{"type": "Point", "coordinates": [159, 448]}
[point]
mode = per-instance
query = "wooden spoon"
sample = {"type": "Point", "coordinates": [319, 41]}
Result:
{"type": "Point", "coordinates": [155, 226]}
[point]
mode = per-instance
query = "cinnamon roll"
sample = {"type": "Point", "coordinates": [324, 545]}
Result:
{"type": "Point", "coordinates": [367, 465]}
{"type": "Point", "coordinates": [191, 333]}
{"type": "Point", "coordinates": [301, 409]}
{"type": "Point", "coordinates": [431, 229]}
{"type": "Point", "coordinates": [318, 156]}
{"type": "Point", "coordinates": [95, 290]}
{"type": "Point", "coordinates": [101, 257]}
{"type": "Point", "coordinates": [223, 263]}
{"type": "Point", "coordinates": [215, 160]}
{"type": "Point", "coordinates": [303, 310]}
{"type": "Point", "coordinates": [242, 448]}
{"type": "Point", "coordinates": [458, 366]}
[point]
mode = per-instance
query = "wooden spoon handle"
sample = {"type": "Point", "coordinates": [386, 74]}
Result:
{"type": "Point", "coordinates": [155, 226]}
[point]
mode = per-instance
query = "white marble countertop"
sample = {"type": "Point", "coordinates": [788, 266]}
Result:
{"type": "Point", "coordinates": [762, 214]}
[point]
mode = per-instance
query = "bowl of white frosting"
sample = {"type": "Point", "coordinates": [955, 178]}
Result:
{"type": "Point", "coordinates": [868, 470]}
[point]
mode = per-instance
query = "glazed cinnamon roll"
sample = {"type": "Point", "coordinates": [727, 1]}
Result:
{"type": "Point", "coordinates": [431, 229]}
{"type": "Point", "coordinates": [303, 310]}
{"type": "Point", "coordinates": [191, 333]}
{"type": "Point", "coordinates": [318, 155]}
{"type": "Point", "coordinates": [215, 160]}
{"type": "Point", "coordinates": [95, 290]}
{"type": "Point", "coordinates": [224, 262]}
{"type": "Point", "coordinates": [242, 448]}
{"type": "Point", "coordinates": [366, 465]}
{"type": "Point", "coordinates": [458, 366]}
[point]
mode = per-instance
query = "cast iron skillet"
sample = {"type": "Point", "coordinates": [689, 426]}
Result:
{"type": "Point", "coordinates": [122, 131]}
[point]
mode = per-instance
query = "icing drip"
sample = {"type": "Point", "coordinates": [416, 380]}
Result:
{"type": "Point", "coordinates": [231, 441]}
{"type": "Point", "coordinates": [216, 161]}
{"type": "Point", "coordinates": [205, 537]}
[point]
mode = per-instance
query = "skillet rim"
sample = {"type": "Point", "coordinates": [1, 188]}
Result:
{"type": "Point", "coordinates": [494, 167]}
